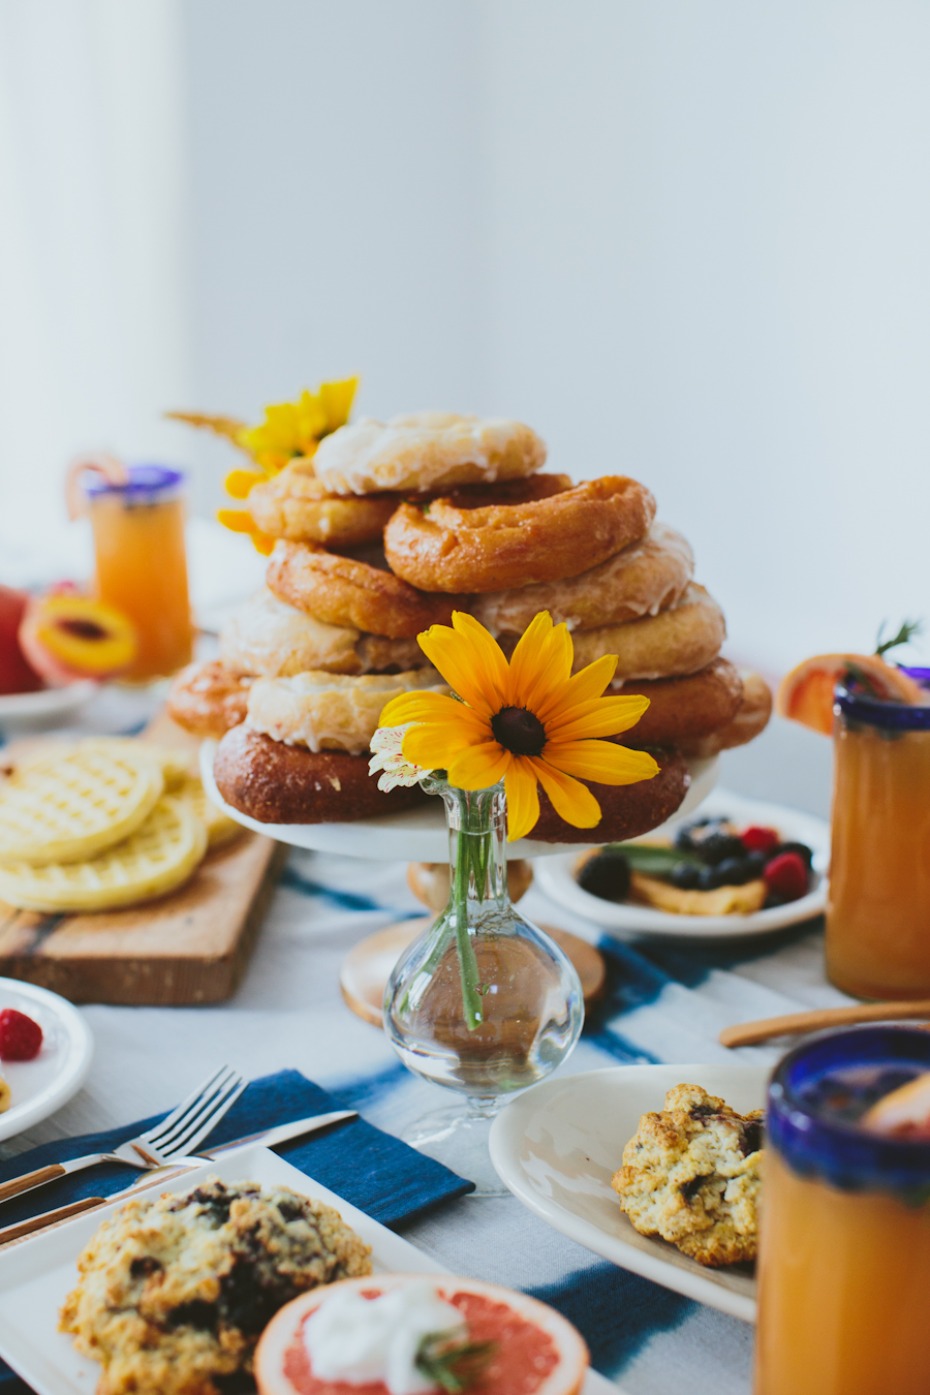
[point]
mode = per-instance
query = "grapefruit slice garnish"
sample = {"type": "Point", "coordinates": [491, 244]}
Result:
{"type": "Point", "coordinates": [805, 694]}
{"type": "Point", "coordinates": [904, 1112]}
{"type": "Point", "coordinates": [282, 1368]}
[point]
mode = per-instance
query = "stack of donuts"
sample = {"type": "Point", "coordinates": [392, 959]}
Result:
{"type": "Point", "coordinates": [390, 528]}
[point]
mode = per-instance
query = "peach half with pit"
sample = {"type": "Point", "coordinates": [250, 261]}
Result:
{"type": "Point", "coordinates": [67, 637]}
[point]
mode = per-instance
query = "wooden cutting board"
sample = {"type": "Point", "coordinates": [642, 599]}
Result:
{"type": "Point", "coordinates": [189, 947]}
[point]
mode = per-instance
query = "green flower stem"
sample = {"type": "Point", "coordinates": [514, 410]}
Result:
{"type": "Point", "coordinates": [471, 858]}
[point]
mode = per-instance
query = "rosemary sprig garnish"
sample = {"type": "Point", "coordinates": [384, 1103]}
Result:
{"type": "Point", "coordinates": [453, 1366]}
{"type": "Point", "coordinates": [907, 630]}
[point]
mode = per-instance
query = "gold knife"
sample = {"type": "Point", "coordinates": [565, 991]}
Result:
{"type": "Point", "coordinates": [269, 1138]}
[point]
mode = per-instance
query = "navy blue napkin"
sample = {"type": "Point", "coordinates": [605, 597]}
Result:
{"type": "Point", "coordinates": [376, 1172]}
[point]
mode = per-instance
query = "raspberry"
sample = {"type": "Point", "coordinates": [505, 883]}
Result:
{"type": "Point", "coordinates": [20, 1037]}
{"type": "Point", "coordinates": [786, 876]}
{"type": "Point", "coordinates": [759, 839]}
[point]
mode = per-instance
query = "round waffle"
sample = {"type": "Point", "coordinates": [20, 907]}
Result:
{"type": "Point", "coordinates": [73, 805]}
{"type": "Point", "coordinates": [221, 829]}
{"type": "Point", "coordinates": [154, 860]}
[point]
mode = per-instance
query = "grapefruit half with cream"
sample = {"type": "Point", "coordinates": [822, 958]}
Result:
{"type": "Point", "coordinates": [525, 1347]}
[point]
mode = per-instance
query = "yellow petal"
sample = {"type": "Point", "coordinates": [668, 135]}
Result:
{"type": "Point", "coordinates": [433, 746]}
{"type": "Point", "coordinates": [240, 483]}
{"type": "Point", "coordinates": [586, 684]}
{"type": "Point", "coordinates": [426, 707]}
{"type": "Point", "coordinates": [262, 543]}
{"type": "Point", "coordinates": [604, 762]}
{"type": "Point", "coordinates": [541, 663]}
{"type": "Point", "coordinates": [337, 398]}
{"type": "Point", "coordinates": [600, 717]}
{"type": "Point", "coordinates": [236, 520]}
{"type": "Point", "coordinates": [571, 800]}
{"type": "Point", "coordinates": [470, 661]}
{"type": "Point", "coordinates": [522, 799]}
{"type": "Point", "coordinates": [479, 767]}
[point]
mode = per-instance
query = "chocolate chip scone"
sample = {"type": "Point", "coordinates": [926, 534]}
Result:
{"type": "Point", "coordinates": [174, 1293]}
{"type": "Point", "coordinates": [691, 1174]}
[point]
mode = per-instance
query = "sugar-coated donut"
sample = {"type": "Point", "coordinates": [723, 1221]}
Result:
{"type": "Point", "coordinates": [425, 451]}
{"type": "Point", "coordinates": [275, 783]}
{"type": "Point", "coordinates": [686, 709]}
{"type": "Point", "coordinates": [295, 504]}
{"type": "Point", "coordinates": [330, 711]}
{"type": "Point", "coordinates": [208, 698]}
{"type": "Point", "coordinates": [541, 530]}
{"type": "Point", "coordinates": [682, 639]}
{"type": "Point", "coordinates": [639, 580]}
{"type": "Point", "coordinates": [349, 592]}
{"type": "Point", "coordinates": [751, 719]}
{"type": "Point", "coordinates": [626, 810]}
{"type": "Point", "coordinates": [268, 637]}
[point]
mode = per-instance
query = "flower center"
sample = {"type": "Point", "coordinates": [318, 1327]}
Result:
{"type": "Point", "coordinates": [518, 731]}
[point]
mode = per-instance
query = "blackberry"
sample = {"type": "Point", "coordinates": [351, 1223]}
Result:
{"type": "Point", "coordinates": [803, 851]}
{"type": "Point", "coordinates": [606, 874]}
{"type": "Point", "coordinates": [718, 847]}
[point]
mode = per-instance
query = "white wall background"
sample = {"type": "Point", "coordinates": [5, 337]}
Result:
{"type": "Point", "coordinates": [686, 239]}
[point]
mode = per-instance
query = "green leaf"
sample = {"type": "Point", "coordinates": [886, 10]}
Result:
{"type": "Point", "coordinates": [652, 859]}
{"type": "Point", "coordinates": [453, 1366]}
{"type": "Point", "coordinates": [907, 630]}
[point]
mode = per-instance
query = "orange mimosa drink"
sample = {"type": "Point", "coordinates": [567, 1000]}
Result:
{"type": "Point", "coordinates": [878, 907]}
{"type": "Point", "coordinates": [141, 564]}
{"type": "Point", "coordinates": [844, 1267]}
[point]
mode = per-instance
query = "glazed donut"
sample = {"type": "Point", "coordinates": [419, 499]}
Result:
{"type": "Point", "coordinates": [682, 639]}
{"type": "Point", "coordinates": [425, 451]}
{"type": "Point", "coordinates": [275, 783]}
{"type": "Point", "coordinates": [751, 718]}
{"type": "Point", "coordinates": [267, 637]}
{"type": "Point", "coordinates": [296, 505]}
{"type": "Point", "coordinates": [208, 698]}
{"type": "Point", "coordinates": [348, 592]}
{"type": "Point", "coordinates": [488, 540]}
{"type": "Point", "coordinates": [626, 810]}
{"type": "Point", "coordinates": [685, 709]}
{"type": "Point", "coordinates": [330, 711]}
{"type": "Point", "coordinates": [639, 580]}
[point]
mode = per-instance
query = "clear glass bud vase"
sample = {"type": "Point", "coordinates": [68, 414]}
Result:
{"type": "Point", "coordinates": [483, 1002]}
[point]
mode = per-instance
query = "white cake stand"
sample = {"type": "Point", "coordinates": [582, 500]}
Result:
{"type": "Point", "coordinates": [417, 835]}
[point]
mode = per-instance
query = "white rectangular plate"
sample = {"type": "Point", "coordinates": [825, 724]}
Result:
{"type": "Point", "coordinates": [36, 1275]}
{"type": "Point", "coordinates": [557, 1147]}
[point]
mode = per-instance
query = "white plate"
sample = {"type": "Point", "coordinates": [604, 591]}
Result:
{"type": "Point", "coordinates": [556, 878]}
{"type": "Point", "coordinates": [418, 835]}
{"type": "Point", "coordinates": [41, 1086]}
{"type": "Point", "coordinates": [557, 1147]}
{"type": "Point", "coordinates": [47, 706]}
{"type": "Point", "coordinates": [35, 1276]}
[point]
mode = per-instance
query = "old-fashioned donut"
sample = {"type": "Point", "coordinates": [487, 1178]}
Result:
{"type": "Point", "coordinates": [750, 720]}
{"type": "Point", "coordinates": [295, 504]}
{"type": "Point", "coordinates": [425, 451]}
{"type": "Point", "coordinates": [347, 591]}
{"type": "Point", "coordinates": [626, 810]}
{"type": "Point", "coordinates": [682, 639]}
{"type": "Point", "coordinates": [268, 637]}
{"type": "Point", "coordinates": [330, 711]}
{"type": "Point", "coordinates": [486, 540]}
{"type": "Point", "coordinates": [686, 709]}
{"type": "Point", "coordinates": [208, 698]}
{"type": "Point", "coordinates": [275, 783]}
{"type": "Point", "coordinates": [642, 579]}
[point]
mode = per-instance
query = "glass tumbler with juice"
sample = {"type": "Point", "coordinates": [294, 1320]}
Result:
{"type": "Point", "coordinates": [844, 1265]}
{"type": "Point", "coordinates": [141, 563]}
{"type": "Point", "coordinates": [878, 907]}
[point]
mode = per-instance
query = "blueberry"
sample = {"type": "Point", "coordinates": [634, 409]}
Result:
{"type": "Point", "coordinates": [803, 851]}
{"type": "Point", "coordinates": [756, 861]}
{"type": "Point", "coordinates": [684, 875]}
{"type": "Point", "coordinates": [606, 874]}
{"type": "Point", "coordinates": [692, 836]}
{"type": "Point", "coordinates": [717, 847]}
{"type": "Point", "coordinates": [734, 871]}
{"type": "Point", "coordinates": [708, 878]}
